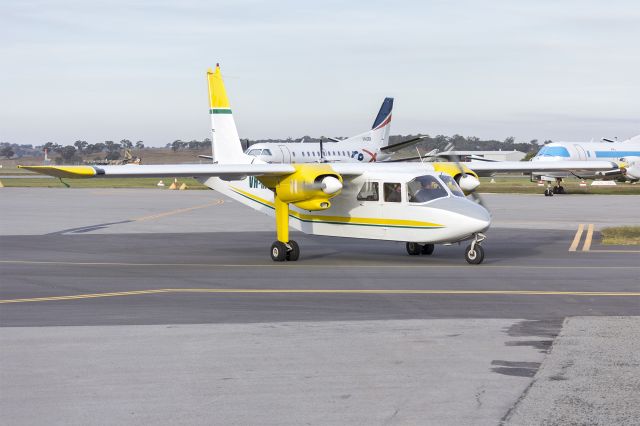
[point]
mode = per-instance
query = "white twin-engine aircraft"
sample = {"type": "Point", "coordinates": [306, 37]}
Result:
{"type": "Point", "coordinates": [417, 203]}
{"type": "Point", "coordinates": [366, 147]}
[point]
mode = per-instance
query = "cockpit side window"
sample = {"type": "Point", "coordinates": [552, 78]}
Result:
{"type": "Point", "coordinates": [452, 185]}
{"type": "Point", "coordinates": [392, 192]}
{"type": "Point", "coordinates": [425, 188]}
{"type": "Point", "coordinates": [266, 152]}
{"type": "Point", "coordinates": [254, 152]}
{"type": "Point", "coordinates": [368, 192]}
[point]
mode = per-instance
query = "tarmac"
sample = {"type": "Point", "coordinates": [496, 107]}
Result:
{"type": "Point", "coordinates": [144, 306]}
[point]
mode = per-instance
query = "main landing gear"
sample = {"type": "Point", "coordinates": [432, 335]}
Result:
{"type": "Point", "coordinates": [415, 249]}
{"type": "Point", "coordinates": [474, 254]}
{"type": "Point", "coordinates": [285, 251]}
{"type": "Point", "coordinates": [283, 248]}
{"type": "Point", "coordinates": [557, 189]}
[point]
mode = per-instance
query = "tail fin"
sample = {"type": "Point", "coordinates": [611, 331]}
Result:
{"type": "Point", "coordinates": [378, 136]}
{"type": "Point", "coordinates": [384, 115]}
{"type": "Point", "coordinates": [225, 142]}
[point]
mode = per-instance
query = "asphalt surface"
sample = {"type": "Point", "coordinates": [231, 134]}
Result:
{"type": "Point", "coordinates": [176, 295]}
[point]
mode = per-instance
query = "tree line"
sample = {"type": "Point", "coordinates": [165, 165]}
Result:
{"type": "Point", "coordinates": [111, 151]}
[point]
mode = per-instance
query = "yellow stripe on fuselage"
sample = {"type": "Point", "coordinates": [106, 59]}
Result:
{"type": "Point", "coordinates": [217, 92]}
{"type": "Point", "coordinates": [342, 220]}
{"type": "Point", "coordinates": [63, 171]}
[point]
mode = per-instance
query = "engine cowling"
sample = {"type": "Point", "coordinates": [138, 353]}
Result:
{"type": "Point", "coordinates": [310, 187]}
{"type": "Point", "coordinates": [633, 171]}
{"type": "Point", "coordinates": [630, 167]}
{"type": "Point", "coordinates": [468, 181]}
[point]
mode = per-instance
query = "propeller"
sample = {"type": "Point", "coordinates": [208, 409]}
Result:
{"type": "Point", "coordinates": [330, 185]}
{"type": "Point", "coordinates": [467, 182]}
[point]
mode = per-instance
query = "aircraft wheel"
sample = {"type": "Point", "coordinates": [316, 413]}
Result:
{"type": "Point", "coordinates": [548, 192]}
{"type": "Point", "coordinates": [556, 190]}
{"type": "Point", "coordinates": [428, 249]}
{"type": "Point", "coordinates": [561, 190]}
{"type": "Point", "coordinates": [278, 251]}
{"type": "Point", "coordinates": [294, 253]}
{"type": "Point", "coordinates": [474, 256]}
{"type": "Point", "coordinates": [414, 249]}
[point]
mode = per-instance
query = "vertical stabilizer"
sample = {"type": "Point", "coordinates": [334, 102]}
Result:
{"type": "Point", "coordinates": [378, 136]}
{"type": "Point", "coordinates": [224, 135]}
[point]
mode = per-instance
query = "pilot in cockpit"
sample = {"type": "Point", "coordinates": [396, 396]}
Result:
{"type": "Point", "coordinates": [429, 189]}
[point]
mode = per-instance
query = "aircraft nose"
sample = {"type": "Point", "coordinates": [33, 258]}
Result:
{"type": "Point", "coordinates": [470, 215]}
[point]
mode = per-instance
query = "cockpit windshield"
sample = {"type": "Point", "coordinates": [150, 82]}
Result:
{"type": "Point", "coordinates": [452, 185]}
{"type": "Point", "coordinates": [553, 151]}
{"type": "Point", "coordinates": [425, 188]}
{"type": "Point", "coordinates": [257, 151]}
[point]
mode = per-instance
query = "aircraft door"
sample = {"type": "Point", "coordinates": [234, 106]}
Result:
{"type": "Point", "coordinates": [582, 155]}
{"type": "Point", "coordinates": [369, 206]}
{"type": "Point", "coordinates": [286, 154]}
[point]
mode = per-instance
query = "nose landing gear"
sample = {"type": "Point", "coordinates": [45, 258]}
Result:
{"type": "Point", "coordinates": [474, 254]}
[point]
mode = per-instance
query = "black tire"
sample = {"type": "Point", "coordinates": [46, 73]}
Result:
{"type": "Point", "coordinates": [476, 256]}
{"type": "Point", "coordinates": [414, 249]}
{"type": "Point", "coordinates": [278, 251]}
{"type": "Point", "coordinates": [561, 190]}
{"type": "Point", "coordinates": [294, 253]}
{"type": "Point", "coordinates": [548, 192]}
{"type": "Point", "coordinates": [427, 249]}
{"type": "Point", "coordinates": [556, 190]}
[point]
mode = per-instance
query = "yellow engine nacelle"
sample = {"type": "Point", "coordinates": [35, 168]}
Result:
{"type": "Point", "coordinates": [310, 187]}
{"type": "Point", "coordinates": [467, 183]}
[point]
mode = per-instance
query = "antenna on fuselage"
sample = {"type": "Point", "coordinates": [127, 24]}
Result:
{"type": "Point", "coordinates": [322, 159]}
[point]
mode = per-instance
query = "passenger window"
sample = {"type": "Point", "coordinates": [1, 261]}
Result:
{"type": "Point", "coordinates": [392, 192]}
{"type": "Point", "coordinates": [425, 188]}
{"type": "Point", "coordinates": [368, 192]}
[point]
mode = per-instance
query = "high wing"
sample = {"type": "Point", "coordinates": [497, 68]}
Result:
{"type": "Point", "coordinates": [484, 167]}
{"type": "Point", "coordinates": [165, 170]}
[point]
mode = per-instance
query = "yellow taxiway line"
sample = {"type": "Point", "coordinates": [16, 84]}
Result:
{"type": "Point", "coordinates": [178, 211]}
{"type": "Point", "coordinates": [587, 240]}
{"type": "Point", "coordinates": [576, 239]}
{"type": "Point", "coordinates": [328, 291]}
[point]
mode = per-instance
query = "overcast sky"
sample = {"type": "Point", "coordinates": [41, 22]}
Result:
{"type": "Point", "coordinates": [108, 70]}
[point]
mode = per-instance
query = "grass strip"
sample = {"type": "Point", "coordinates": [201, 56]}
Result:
{"type": "Point", "coordinates": [621, 236]}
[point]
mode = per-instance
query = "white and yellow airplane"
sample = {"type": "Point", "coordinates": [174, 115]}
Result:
{"type": "Point", "coordinates": [416, 203]}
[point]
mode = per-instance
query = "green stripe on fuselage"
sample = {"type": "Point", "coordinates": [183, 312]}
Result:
{"type": "Point", "coordinates": [219, 111]}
